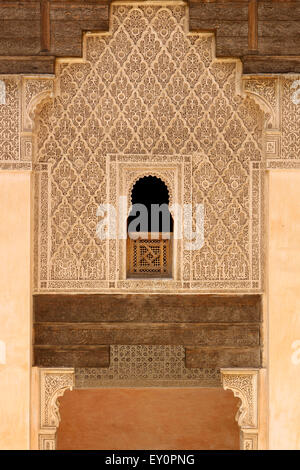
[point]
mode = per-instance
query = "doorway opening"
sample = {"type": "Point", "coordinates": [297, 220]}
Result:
{"type": "Point", "coordinates": [148, 418]}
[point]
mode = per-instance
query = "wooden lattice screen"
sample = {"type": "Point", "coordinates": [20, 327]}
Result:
{"type": "Point", "coordinates": [149, 257]}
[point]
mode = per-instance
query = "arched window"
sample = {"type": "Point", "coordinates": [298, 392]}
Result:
{"type": "Point", "coordinates": [150, 228]}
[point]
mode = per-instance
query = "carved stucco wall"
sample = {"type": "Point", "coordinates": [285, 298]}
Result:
{"type": "Point", "coordinates": [148, 97]}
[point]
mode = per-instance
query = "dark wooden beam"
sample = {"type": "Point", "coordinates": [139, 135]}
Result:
{"type": "Point", "coordinates": [45, 26]}
{"type": "Point", "coordinates": [253, 26]}
{"type": "Point", "coordinates": [71, 356]}
{"type": "Point", "coordinates": [253, 64]}
{"type": "Point", "coordinates": [146, 308]}
{"type": "Point", "coordinates": [26, 64]}
{"type": "Point", "coordinates": [215, 358]}
{"type": "Point", "coordinates": [72, 330]}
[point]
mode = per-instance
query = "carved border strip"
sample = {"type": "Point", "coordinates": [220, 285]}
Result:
{"type": "Point", "coordinates": [53, 384]}
{"type": "Point", "coordinates": [244, 385]}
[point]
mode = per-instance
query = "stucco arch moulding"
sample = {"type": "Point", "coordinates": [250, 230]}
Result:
{"type": "Point", "coordinates": [242, 382]}
{"type": "Point", "coordinates": [35, 92]}
{"type": "Point", "coordinates": [53, 384]}
{"type": "Point", "coordinates": [244, 385]}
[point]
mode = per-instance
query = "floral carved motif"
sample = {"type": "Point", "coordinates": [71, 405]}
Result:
{"type": "Point", "coordinates": [290, 118]}
{"type": "Point", "coordinates": [10, 122]}
{"type": "Point", "coordinates": [146, 366]}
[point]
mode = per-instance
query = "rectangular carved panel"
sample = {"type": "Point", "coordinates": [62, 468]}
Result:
{"type": "Point", "coordinates": [222, 357]}
{"type": "Point", "coordinates": [146, 308]}
{"type": "Point", "coordinates": [71, 356]}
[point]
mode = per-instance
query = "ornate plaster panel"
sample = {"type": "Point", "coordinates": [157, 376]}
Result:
{"type": "Point", "coordinates": [152, 91]}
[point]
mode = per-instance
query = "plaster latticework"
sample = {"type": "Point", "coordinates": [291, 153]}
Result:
{"type": "Point", "coordinates": [146, 366]}
{"type": "Point", "coordinates": [151, 91]}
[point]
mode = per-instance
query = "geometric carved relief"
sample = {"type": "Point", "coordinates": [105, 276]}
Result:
{"type": "Point", "coordinates": [146, 366]}
{"type": "Point", "coordinates": [53, 384]}
{"type": "Point", "coordinates": [148, 90]}
{"type": "Point", "coordinates": [244, 384]}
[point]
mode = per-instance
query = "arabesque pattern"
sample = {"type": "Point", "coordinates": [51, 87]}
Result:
{"type": "Point", "coordinates": [290, 120]}
{"type": "Point", "coordinates": [148, 88]}
{"type": "Point", "coordinates": [9, 120]}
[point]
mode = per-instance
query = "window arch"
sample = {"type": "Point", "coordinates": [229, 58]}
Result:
{"type": "Point", "coordinates": [153, 194]}
{"type": "Point", "coordinates": [149, 229]}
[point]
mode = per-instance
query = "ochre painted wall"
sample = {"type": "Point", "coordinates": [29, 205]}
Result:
{"type": "Point", "coordinates": [284, 310]}
{"type": "Point", "coordinates": [154, 418]}
{"type": "Point", "coordinates": [15, 329]}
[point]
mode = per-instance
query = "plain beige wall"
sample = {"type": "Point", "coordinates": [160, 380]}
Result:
{"type": "Point", "coordinates": [15, 298]}
{"type": "Point", "coordinates": [284, 309]}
